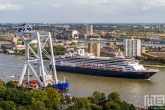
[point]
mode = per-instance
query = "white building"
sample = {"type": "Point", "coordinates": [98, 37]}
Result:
{"type": "Point", "coordinates": [132, 47]}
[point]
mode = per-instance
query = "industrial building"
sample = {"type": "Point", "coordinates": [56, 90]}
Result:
{"type": "Point", "coordinates": [132, 47]}
{"type": "Point", "coordinates": [68, 34]}
{"type": "Point", "coordinates": [94, 48]}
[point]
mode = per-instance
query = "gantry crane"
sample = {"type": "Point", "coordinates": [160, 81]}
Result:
{"type": "Point", "coordinates": [42, 75]}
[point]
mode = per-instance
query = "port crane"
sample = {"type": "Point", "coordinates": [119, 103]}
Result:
{"type": "Point", "coordinates": [42, 75]}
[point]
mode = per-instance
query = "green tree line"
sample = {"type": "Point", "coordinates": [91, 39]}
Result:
{"type": "Point", "coordinates": [151, 59]}
{"type": "Point", "coordinates": [58, 50]}
{"type": "Point", "coordinates": [98, 101]}
{"type": "Point", "coordinates": [18, 98]}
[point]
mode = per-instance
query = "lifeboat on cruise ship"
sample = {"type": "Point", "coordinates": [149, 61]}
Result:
{"type": "Point", "coordinates": [120, 69]}
{"type": "Point", "coordinates": [88, 65]}
{"type": "Point", "coordinates": [101, 67]}
{"type": "Point", "coordinates": [114, 68]}
{"type": "Point", "coordinates": [83, 65]}
{"type": "Point", "coordinates": [95, 66]}
{"type": "Point", "coordinates": [107, 67]}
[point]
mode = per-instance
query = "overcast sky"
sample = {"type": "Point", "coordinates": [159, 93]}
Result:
{"type": "Point", "coordinates": [82, 11]}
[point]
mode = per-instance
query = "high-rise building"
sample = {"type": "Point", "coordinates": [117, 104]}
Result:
{"type": "Point", "coordinates": [87, 29]}
{"type": "Point", "coordinates": [94, 48]}
{"type": "Point", "coordinates": [132, 47]}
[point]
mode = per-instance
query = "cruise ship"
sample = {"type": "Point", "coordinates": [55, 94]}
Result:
{"type": "Point", "coordinates": [118, 66]}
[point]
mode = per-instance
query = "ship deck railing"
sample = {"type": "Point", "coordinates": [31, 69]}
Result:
{"type": "Point", "coordinates": [96, 61]}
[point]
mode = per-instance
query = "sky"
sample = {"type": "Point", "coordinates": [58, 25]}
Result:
{"type": "Point", "coordinates": [82, 11]}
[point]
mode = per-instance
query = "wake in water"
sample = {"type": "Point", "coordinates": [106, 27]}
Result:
{"type": "Point", "coordinates": [148, 79]}
{"type": "Point", "coordinates": [10, 76]}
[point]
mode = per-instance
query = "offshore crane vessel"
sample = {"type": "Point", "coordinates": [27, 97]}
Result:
{"type": "Point", "coordinates": [42, 75]}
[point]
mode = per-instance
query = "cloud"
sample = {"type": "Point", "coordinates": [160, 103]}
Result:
{"type": "Point", "coordinates": [146, 8]}
{"type": "Point", "coordinates": [84, 10]}
{"type": "Point", "coordinates": [8, 6]}
{"type": "Point", "coordinates": [41, 7]}
{"type": "Point", "coordinates": [56, 5]}
{"type": "Point", "coordinates": [156, 2]}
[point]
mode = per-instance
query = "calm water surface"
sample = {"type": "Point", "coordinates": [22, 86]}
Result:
{"type": "Point", "coordinates": [131, 90]}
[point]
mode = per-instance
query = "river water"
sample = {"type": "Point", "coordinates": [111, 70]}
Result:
{"type": "Point", "coordinates": [131, 90]}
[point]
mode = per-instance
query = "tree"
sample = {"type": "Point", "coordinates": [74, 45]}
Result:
{"type": "Point", "coordinates": [38, 95]}
{"type": "Point", "coordinates": [10, 84]}
{"type": "Point", "coordinates": [125, 106]}
{"type": "Point", "coordinates": [82, 103]}
{"type": "Point", "coordinates": [2, 85]}
{"type": "Point", "coordinates": [73, 44]}
{"type": "Point", "coordinates": [49, 85]}
{"type": "Point", "coordinates": [132, 107]}
{"type": "Point", "coordinates": [73, 99]}
{"type": "Point", "coordinates": [54, 98]}
{"type": "Point", "coordinates": [48, 103]}
{"type": "Point", "coordinates": [112, 105]}
{"type": "Point", "coordinates": [21, 108]}
{"type": "Point", "coordinates": [114, 96]}
{"type": "Point", "coordinates": [25, 98]}
{"type": "Point", "coordinates": [96, 107]}
{"type": "Point", "coordinates": [7, 105]}
{"type": "Point", "coordinates": [92, 100]}
{"type": "Point", "coordinates": [96, 95]}
{"type": "Point", "coordinates": [58, 50]}
{"type": "Point", "coordinates": [38, 106]}
{"type": "Point", "coordinates": [102, 96]}
{"type": "Point", "coordinates": [68, 99]}
{"type": "Point", "coordinates": [13, 94]}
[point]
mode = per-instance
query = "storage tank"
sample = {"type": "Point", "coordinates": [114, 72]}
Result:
{"type": "Point", "coordinates": [90, 47]}
{"type": "Point", "coordinates": [97, 51]}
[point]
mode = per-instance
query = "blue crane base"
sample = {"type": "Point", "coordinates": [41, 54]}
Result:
{"type": "Point", "coordinates": [63, 85]}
